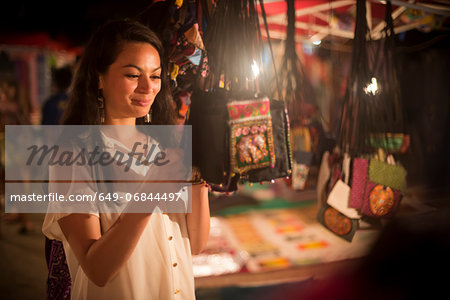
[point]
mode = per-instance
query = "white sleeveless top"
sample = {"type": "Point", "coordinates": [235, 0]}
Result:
{"type": "Point", "coordinates": [160, 266]}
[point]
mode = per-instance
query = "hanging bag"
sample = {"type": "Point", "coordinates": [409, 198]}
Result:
{"type": "Point", "coordinates": [280, 133]}
{"type": "Point", "coordinates": [372, 119]}
{"type": "Point", "coordinates": [384, 188]}
{"type": "Point", "coordinates": [238, 134]}
{"type": "Point", "coordinates": [334, 213]}
{"type": "Point", "coordinates": [377, 186]}
{"type": "Point", "coordinates": [372, 112]}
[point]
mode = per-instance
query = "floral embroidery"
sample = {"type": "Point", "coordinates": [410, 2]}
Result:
{"type": "Point", "coordinates": [252, 148]}
{"type": "Point", "coordinates": [251, 139]}
{"type": "Point", "coordinates": [238, 110]}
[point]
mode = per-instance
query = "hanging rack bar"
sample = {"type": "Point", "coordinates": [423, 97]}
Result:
{"type": "Point", "coordinates": [321, 31]}
{"type": "Point", "coordinates": [281, 17]}
{"type": "Point", "coordinates": [430, 8]}
{"type": "Point", "coordinates": [395, 14]}
{"type": "Point", "coordinates": [369, 14]}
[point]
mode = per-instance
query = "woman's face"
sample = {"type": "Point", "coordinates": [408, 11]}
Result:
{"type": "Point", "coordinates": [131, 83]}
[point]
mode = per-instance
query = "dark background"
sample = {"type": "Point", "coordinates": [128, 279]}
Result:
{"type": "Point", "coordinates": [73, 20]}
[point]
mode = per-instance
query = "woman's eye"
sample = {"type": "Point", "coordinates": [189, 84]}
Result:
{"type": "Point", "coordinates": [132, 76]}
{"type": "Point", "coordinates": [155, 77]}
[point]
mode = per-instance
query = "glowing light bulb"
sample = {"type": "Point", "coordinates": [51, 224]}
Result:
{"type": "Point", "coordinates": [255, 69]}
{"type": "Point", "coordinates": [372, 87]}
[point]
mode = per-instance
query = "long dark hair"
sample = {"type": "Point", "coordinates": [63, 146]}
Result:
{"type": "Point", "coordinates": [101, 51]}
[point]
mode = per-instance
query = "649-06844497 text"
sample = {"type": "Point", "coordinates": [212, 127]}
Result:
{"type": "Point", "coordinates": [102, 197]}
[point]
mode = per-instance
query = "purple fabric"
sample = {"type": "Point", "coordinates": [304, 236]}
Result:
{"type": "Point", "coordinates": [359, 179]}
{"type": "Point", "coordinates": [58, 281]}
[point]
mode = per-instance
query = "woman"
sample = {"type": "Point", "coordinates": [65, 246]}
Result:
{"type": "Point", "coordinates": [121, 80]}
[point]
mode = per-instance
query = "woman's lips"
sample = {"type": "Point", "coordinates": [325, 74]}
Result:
{"type": "Point", "coordinates": [140, 102]}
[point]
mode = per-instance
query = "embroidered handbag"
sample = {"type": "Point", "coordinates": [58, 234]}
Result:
{"type": "Point", "coordinates": [251, 135]}
{"type": "Point", "coordinates": [236, 136]}
{"type": "Point", "coordinates": [281, 144]}
{"type": "Point", "coordinates": [377, 187]}
{"type": "Point", "coordinates": [385, 185]}
{"type": "Point", "coordinates": [337, 223]}
{"type": "Point", "coordinates": [339, 195]}
{"type": "Point", "coordinates": [238, 139]}
{"type": "Point", "coordinates": [334, 213]}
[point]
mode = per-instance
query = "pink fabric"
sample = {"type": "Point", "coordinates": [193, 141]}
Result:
{"type": "Point", "coordinates": [359, 179]}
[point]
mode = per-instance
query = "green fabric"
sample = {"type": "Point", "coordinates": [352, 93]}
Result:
{"type": "Point", "coordinates": [275, 203]}
{"type": "Point", "coordinates": [393, 176]}
{"type": "Point", "coordinates": [387, 142]}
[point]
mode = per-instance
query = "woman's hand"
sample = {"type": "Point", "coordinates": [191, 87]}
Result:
{"type": "Point", "coordinates": [198, 221]}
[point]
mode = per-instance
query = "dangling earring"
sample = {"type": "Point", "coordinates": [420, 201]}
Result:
{"type": "Point", "coordinates": [148, 117]}
{"type": "Point", "coordinates": [101, 106]}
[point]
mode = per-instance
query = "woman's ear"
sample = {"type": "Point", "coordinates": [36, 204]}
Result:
{"type": "Point", "coordinates": [100, 82]}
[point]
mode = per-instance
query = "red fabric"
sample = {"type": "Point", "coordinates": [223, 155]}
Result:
{"type": "Point", "coordinates": [279, 8]}
{"type": "Point", "coordinates": [41, 40]}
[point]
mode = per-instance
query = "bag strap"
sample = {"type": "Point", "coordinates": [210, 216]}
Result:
{"type": "Point", "coordinates": [266, 26]}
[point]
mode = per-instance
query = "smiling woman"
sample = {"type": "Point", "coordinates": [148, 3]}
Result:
{"type": "Point", "coordinates": [116, 254]}
{"type": "Point", "coordinates": [131, 84]}
{"type": "Point", "coordinates": [123, 73]}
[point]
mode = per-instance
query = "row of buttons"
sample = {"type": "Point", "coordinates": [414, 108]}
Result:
{"type": "Point", "coordinates": [174, 265]}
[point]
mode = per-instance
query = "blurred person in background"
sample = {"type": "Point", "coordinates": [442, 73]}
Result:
{"type": "Point", "coordinates": [14, 110]}
{"type": "Point", "coordinates": [54, 106]}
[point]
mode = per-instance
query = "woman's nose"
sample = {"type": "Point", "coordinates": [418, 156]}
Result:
{"type": "Point", "coordinates": [144, 85]}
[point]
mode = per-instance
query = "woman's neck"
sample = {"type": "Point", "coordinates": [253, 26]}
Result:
{"type": "Point", "coordinates": [128, 121]}
{"type": "Point", "coordinates": [122, 132]}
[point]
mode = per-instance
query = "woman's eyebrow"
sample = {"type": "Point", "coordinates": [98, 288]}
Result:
{"type": "Point", "coordinates": [132, 66]}
{"type": "Point", "coordinates": [139, 69]}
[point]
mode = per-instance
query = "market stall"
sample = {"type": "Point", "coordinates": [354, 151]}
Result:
{"type": "Point", "coordinates": [301, 124]}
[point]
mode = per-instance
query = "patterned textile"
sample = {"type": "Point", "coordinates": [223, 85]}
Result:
{"type": "Point", "coordinates": [282, 146]}
{"type": "Point", "coordinates": [380, 201]}
{"type": "Point", "coordinates": [337, 223]}
{"type": "Point", "coordinates": [251, 138]}
{"type": "Point", "coordinates": [393, 176]}
{"type": "Point", "coordinates": [359, 179]}
{"type": "Point", "coordinates": [299, 176]}
{"type": "Point", "coordinates": [377, 187]}
{"type": "Point", "coordinates": [58, 281]}
{"type": "Point", "coordinates": [238, 110]}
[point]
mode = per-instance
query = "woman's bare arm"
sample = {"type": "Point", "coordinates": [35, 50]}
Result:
{"type": "Point", "coordinates": [198, 221]}
{"type": "Point", "coordinates": [102, 256]}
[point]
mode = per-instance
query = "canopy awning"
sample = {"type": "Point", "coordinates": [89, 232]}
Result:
{"type": "Point", "coordinates": [318, 19]}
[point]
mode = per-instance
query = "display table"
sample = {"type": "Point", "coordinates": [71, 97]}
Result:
{"type": "Point", "coordinates": [276, 240]}
{"type": "Point", "coordinates": [292, 274]}
{"type": "Point", "coordinates": [273, 242]}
